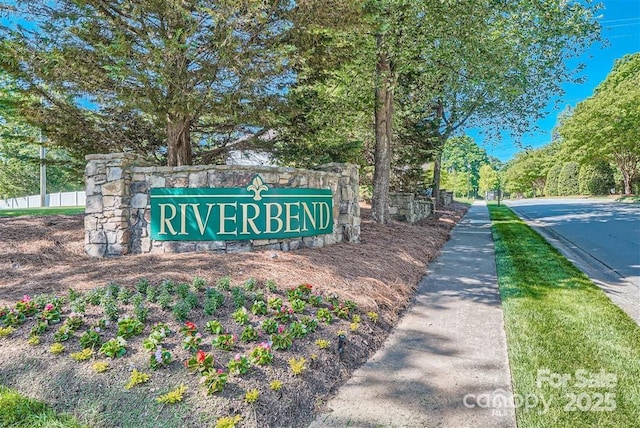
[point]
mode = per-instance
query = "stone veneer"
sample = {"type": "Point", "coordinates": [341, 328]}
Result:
{"type": "Point", "coordinates": [407, 207]}
{"type": "Point", "coordinates": [117, 209]}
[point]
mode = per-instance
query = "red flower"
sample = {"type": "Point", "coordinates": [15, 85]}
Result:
{"type": "Point", "coordinates": [190, 326]}
{"type": "Point", "coordinates": [201, 356]}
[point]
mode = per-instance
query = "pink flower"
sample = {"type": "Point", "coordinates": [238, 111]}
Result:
{"type": "Point", "coordinates": [48, 307]}
{"type": "Point", "coordinates": [237, 357]}
{"type": "Point", "coordinates": [200, 357]}
{"type": "Point", "coordinates": [280, 329]}
{"type": "Point", "coordinates": [220, 371]}
{"type": "Point", "coordinates": [26, 298]}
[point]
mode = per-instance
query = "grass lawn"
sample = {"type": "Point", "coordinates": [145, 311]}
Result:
{"type": "Point", "coordinates": [41, 211]}
{"type": "Point", "coordinates": [574, 355]}
{"type": "Point", "coordinates": [18, 411]}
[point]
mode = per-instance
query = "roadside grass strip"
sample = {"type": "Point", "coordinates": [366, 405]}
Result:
{"type": "Point", "coordinates": [574, 355]}
{"type": "Point", "coordinates": [41, 211]}
{"type": "Point", "coordinates": [17, 411]}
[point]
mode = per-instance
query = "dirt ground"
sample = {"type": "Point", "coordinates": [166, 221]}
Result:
{"type": "Point", "coordinates": [46, 255]}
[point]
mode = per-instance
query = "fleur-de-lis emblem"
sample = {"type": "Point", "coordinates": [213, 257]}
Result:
{"type": "Point", "coordinates": [257, 186]}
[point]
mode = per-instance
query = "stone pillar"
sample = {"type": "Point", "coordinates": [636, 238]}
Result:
{"type": "Point", "coordinates": [107, 209]}
{"type": "Point", "coordinates": [348, 209]}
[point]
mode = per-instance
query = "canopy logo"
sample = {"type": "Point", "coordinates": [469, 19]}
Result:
{"type": "Point", "coordinates": [254, 212]}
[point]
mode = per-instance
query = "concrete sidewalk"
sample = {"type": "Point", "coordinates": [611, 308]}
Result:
{"type": "Point", "coordinates": [445, 364]}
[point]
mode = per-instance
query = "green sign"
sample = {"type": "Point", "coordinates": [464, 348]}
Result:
{"type": "Point", "coordinates": [254, 212]}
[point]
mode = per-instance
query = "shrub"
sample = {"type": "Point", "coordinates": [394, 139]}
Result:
{"type": "Point", "coordinates": [596, 179]}
{"type": "Point", "coordinates": [568, 183]}
{"type": "Point", "coordinates": [551, 184]}
{"type": "Point", "coordinates": [199, 284]}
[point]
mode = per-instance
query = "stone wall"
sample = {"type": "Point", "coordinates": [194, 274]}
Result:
{"type": "Point", "coordinates": [117, 211]}
{"type": "Point", "coordinates": [407, 207]}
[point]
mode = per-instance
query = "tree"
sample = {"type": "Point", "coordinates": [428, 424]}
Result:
{"type": "Point", "coordinates": [568, 183]}
{"type": "Point", "coordinates": [489, 179]}
{"type": "Point", "coordinates": [499, 68]}
{"type": "Point", "coordinates": [551, 186]}
{"type": "Point", "coordinates": [462, 154]}
{"type": "Point", "coordinates": [596, 179]}
{"type": "Point", "coordinates": [178, 69]}
{"type": "Point", "coordinates": [20, 153]}
{"type": "Point", "coordinates": [606, 125]}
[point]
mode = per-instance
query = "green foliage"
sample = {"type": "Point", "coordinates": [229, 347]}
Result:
{"type": "Point", "coordinates": [199, 284]}
{"type": "Point", "coordinates": [173, 396]}
{"type": "Point", "coordinates": [90, 339]}
{"type": "Point", "coordinates": [596, 179]}
{"type": "Point", "coordinates": [568, 183]}
{"type": "Point", "coordinates": [553, 175]}
{"type": "Point", "coordinates": [137, 378]}
{"type": "Point", "coordinates": [269, 326]}
{"type": "Point", "coordinates": [182, 290]}
{"type": "Point", "coordinates": [181, 310]}
{"type": "Point", "coordinates": [114, 348]}
{"type": "Point", "coordinates": [604, 126]}
{"type": "Point", "coordinates": [214, 300]}
{"type": "Point", "coordinates": [224, 283]}
{"type": "Point", "coordinates": [251, 396]}
{"type": "Point", "coordinates": [19, 411]}
{"type": "Point", "coordinates": [214, 327]}
{"type": "Point", "coordinates": [124, 295]}
{"type": "Point", "coordinates": [239, 297]}
{"type": "Point", "coordinates": [241, 316]}
{"type": "Point", "coordinates": [259, 307]}
{"type": "Point", "coordinates": [249, 334]}
{"type": "Point", "coordinates": [142, 285]}
{"type": "Point", "coordinates": [297, 365]}
{"type": "Point", "coordinates": [165, 300]}
{"type": "Point", "coordinates": [129, 327]}
{"type": "Point", "coordinates": [152, 293]}
{"type": "Point", "coordinates": [110, 308]}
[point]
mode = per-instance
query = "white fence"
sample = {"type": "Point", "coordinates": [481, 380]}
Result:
{"type": "Point", "coordinates": [63, 199]}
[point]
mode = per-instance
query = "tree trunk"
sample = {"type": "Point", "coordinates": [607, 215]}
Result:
{"type": "Point", "coordinates": [383, 133]}
{"type": "Point", "coordinates": [179, 150]}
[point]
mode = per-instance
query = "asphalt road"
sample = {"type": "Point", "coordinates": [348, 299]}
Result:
{"type": "Point", "coordinates": [601, 237]}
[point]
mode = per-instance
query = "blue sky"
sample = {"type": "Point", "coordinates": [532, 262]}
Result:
{"type": "Point", "coordinates": [621, 27]}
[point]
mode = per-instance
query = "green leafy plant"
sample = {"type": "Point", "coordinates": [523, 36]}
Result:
{"type": "Point", "coordinates": [341, 311]}
{"type": "Point", "coordinates": [142, 286]}
{"type": "Point", "coordinates": [324, 315]}
{"type": "Point", "coordinates": [282, 340]}
{"type": "Point", "coordinates": [62, 334]}
{"type": "Point", "coordinates": [298, 305]}
{"type": "Point", "coordinates": [323, 343]}
{"type": "Point", "coordinates": [284, 314]}
{"type": "Point", "coordinates": [181, 310]}
{"type": "Point", "coordinates": [173, 396]}
{"type": "Point", "coordinates": [354, 326]}
{"type": "Point", "coordinates": [100, 366]}
{"type": "Point", "coordinates": [373, 316]}
{"type": "Point", "coordinates": [94, 297]}
{"type": "Point", "coordinates": [199, 284]}
{"type": "Point", "coordinates": [261, 355]}
{"type": "Point", "coordinates": [168, 287]}
{"type": "Point", "coordinates": [228, 421]}
{"type": "Point", "coordinates": [114, 348]}
{"type": "Point", "coordinates": [56, 348]}
{"type": "Point", "coordinates": [51, 314]}
{"type": "Point", "coordinates": [270, 284]}
{"type": "Point", "coordinates": [214, 380]}
{"type": "Point", "coordinates": [224, 283]}
{"type": "Point", "coordinates": [311, 324]}
{"type": "Point", "coordinates": [251, 396]}
{"type": "Point", "coordinates": [165, 300]}
{"type": "Point", "coordinates": [214, 300]}
{"type": "Point", "coordinates": [315, 300]}
{"type": "Point", "coordinates": [183, 289]}
{"type": "Point", "coordinates": [33, 340]}
{"type": "Point", "coordinates": [199, 362]}
{"type": "Point", "coordinates": [351, 305]}
{"type": "Point", "coordinates": [239, 365]}
{"type": "Point", "coordinates": [152, 293]}
{"type": "Point", "coordinates": [241, 316]}
{"type": "Point", "coordinates": [214, 327]}
{"type": "Point", "coordinates": [129, 327]}
{"type": "Point", "coordinates": [250, 284]}
{"type": "Point", "coordinates": [302, 292]}
{"type": "Point", "coordinates": [192, 300]}
{"type": "Point", "coordinates": [239, 297]}
{"type": "Point", "coordinates": [249, 334]}
{"type": "Point", "coordinates": [275, 385]}
{"type": "Point", "coordinates": [297, 330]}
{"type": "Point", "coordinates": [259, 307]}
{"type": "Point", "coordinates": [275, 303]}
{"type": "Point", "coordinates": [112, 290]}
{"type": "Point", "coordinates": [90, 339]}
{"type": "Point", "coordinates": [40, 327]}
{"type": "Point", "coordinates": [225, 342]}
{"type": "Point", "coordinates": [160, 358]}
{"type": "Point", "coordinates": [297, 365]}
{"type": "Point", "coordinates": [83, 355]}
{"type": "Point", "coordinates": [110, 308]}
{"type": "Point", "coordinates": [269, 326]}
{"type": "Point", "coordinates": [141, 312]}
{"type": "Point", "coordinates": [356, 318]}
{"type": "Point", "coordinates": [6, 331]}
{"type": "Point", "coordinates": [26, 306]}
{"type": "Point", "coordinates": [137, 378]}
{"type": "Point", "coordinates": [78, 306]}
{"type": "Point", "coordinates": [74, 321]}
{"type": "Point", "coordinates": [124, 295]}
{"type": "Point", "coordinates": [192, 343]}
